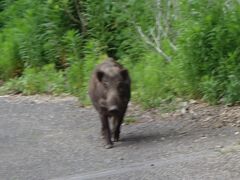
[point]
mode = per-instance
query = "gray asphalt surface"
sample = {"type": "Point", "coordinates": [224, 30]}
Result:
{"type": "Point", "coordinates": [58, 140]}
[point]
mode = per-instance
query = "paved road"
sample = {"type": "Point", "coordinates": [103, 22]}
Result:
{"type": "Point", "coordinates": [58, 140]}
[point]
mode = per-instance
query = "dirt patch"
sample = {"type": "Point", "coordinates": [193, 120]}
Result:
{"type": "Point", "coordinates": [199, 113]}
{"type": "Point", "coordinates": [194, 111]}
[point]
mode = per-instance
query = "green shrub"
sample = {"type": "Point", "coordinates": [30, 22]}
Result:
{"type": "Point", "coordinates": [52, 47]}
{"type": "Point", "coordinates": [210, 49]}
{"type": "Point", "coordinates": [10, 65]}
{"type": "Point", "coordinates": [232, 93]}
{"type": "Point", "coordinates": [79, 73]}
{"type": "Point", "coordinates": [37, 80]}
{"type": "Point", "coordinates": [154, 81]}
{"type": "Point", "coordinates": [73, 50]}
{"type": "Point", "coordinates": [30, 35]}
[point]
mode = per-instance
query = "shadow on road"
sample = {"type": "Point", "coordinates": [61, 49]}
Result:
{"type": "Point", "coordinates": [146, 137]}
{"type": "Point", "coordinates": [166, 130]}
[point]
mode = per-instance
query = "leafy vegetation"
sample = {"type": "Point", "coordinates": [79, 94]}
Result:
{"type": "Point", "coordinates": [210, 50]}
{"type": "Point", "coordinates": [37, 80]}
{"type": "Point", "coordinates": [172, 48]}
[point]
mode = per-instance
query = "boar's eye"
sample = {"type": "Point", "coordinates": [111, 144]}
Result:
{"type": "Point", "coordinates": [105, 83]}
{"type": "Point", "coordinates": [121, 86]}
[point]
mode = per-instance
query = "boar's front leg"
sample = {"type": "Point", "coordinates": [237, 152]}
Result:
{"type": "Point", "coordinates": [117, 121]}
{"type": "Point", "coordinates": [106, 131]}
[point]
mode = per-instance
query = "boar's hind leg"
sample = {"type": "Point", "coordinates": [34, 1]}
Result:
{"type": "Point", "coordinates": [116, 128]}
{"type": "Point", "coordinates": [106, 131]}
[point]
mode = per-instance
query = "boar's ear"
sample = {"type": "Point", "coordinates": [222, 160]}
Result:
{"type": "Point", "coordinates": [124, 74]}
{"type": "Point", "coordinates": [100, 75]}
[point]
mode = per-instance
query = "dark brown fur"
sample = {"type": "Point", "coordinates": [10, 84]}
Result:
{"type": "Point", "coordinates": [109, 91]}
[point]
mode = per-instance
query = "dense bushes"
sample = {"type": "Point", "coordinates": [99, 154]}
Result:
{"type": "Point", "coordinates": [155, 81]}
{"type": "Point", "coordinates": [210, 51]}
{"type": "Point", "coordinates": [63, 40]}
{"type": "Point", "coordinates": [37, 80]}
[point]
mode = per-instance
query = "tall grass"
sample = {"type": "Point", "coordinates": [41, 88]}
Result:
{"type": "Point", "coordinates": [41, 39]}
{"type": "Point", "coordinates": [209, 47]}
{"type": "Point", "coordinates": [155, 81]}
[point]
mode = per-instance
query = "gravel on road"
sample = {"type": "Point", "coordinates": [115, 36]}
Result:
{"type": "Point", "coordinates": [44, 137]}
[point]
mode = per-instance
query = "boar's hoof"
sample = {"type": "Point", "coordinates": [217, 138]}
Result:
{"type": "Point", "coordinates": [115, 139]}
{"type": "Point", "coordinates": [108, 146]}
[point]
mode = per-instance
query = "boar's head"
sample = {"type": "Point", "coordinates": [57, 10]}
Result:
{"type": "Point", "coordinates": [115, 85]}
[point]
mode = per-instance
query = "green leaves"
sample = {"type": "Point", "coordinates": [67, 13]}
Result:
{"type": "Point", "coordinates": [210, 52]}
{"type": "Point", "coordinates": [37, 80]}
{"type": "Point", "coordinates": [200, 37]}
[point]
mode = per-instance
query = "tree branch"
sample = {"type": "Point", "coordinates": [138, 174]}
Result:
{"type": "Point", "coordinates": [72, 17]}
{"type": "Point", "coordinates": [149, 42]}
{"type": "Point", "coordinates": [158, 20]}
{"type": "Point", "coordinates": [161, 30]}
{"type": "Point", "coordinates": [80, 16]}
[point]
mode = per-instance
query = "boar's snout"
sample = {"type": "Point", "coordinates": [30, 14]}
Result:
{"type": "Point", "coordinates": [113, 110]}
{"type": "Point", "coordinates": [113, 101]}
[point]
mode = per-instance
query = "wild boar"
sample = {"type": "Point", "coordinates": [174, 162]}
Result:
{"type": "Point", "coordinates": [109, 91]}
